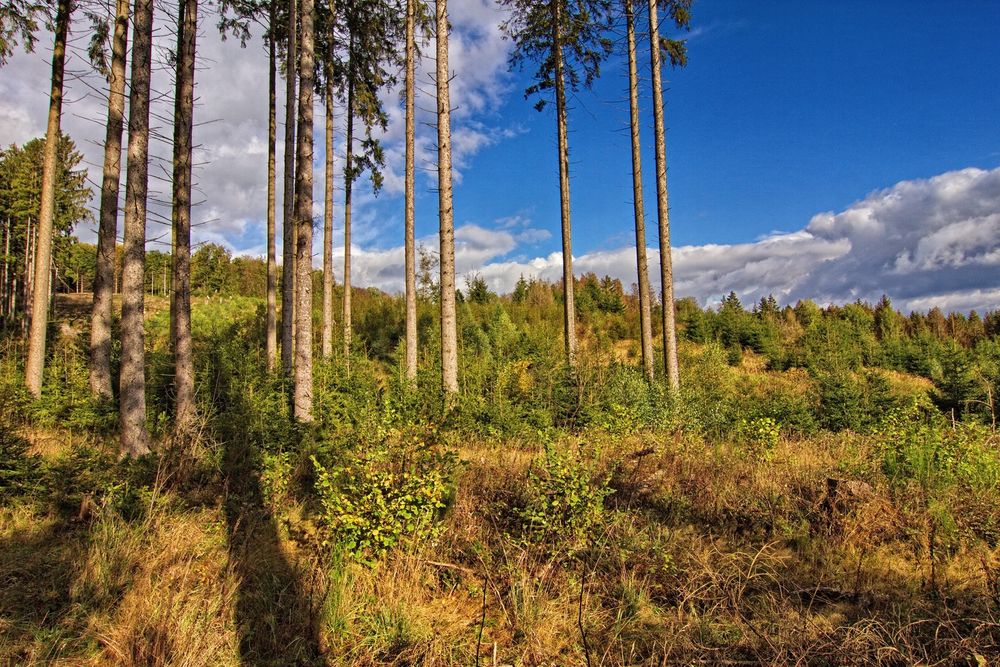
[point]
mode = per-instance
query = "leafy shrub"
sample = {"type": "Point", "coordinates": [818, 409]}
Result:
{"type": "Point", "coordinates": [275, 477]}
{"type": "Point", "coordinates": [373, 498]}
{"type": "Point", "coordinates": [759, 436]}
{"type": "Point", "coordinates": [565, 498]}
{"type": "Point", "coordinates": [919, 446]}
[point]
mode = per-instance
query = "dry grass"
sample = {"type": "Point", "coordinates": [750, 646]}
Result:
{"type": "Point", "coordinates": [703, 555]}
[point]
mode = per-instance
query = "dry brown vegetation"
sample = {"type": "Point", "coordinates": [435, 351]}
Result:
{"type": "Point", "coordinates": [699, 554]}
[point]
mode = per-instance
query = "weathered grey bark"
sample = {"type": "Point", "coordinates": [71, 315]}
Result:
{"type": "Point", "coordinates": [345, 320]}
{"type": "Point", "coordinates": [288, 250]}
{"type": "Point", "coordinates": [569, 312]}
{"type": "Point", "coordinates": [446, 213]}
{"type": "Point", "coordinates": [663, 207]}
{"type": "Point", "coordinates": [303, 391]}
{"type": "Point", "coordinates": [271, 325]}
{"type": "Point", "coordinates": [43, 253]}
{"type": "Point", "coordinates": [29, 263]}
{"type": "Point", "coordinates": [327, 339]}
{"type": "Point", "coordinates": [645, 325]}
{"type": "Point", "coordinates": [187, 29]}
{"type": "Point", "coordinates": [4, 293]}
{"type": "Point", "coordinates": [132, 379]}
{"type": "Point", "coordinates": [409, 242]}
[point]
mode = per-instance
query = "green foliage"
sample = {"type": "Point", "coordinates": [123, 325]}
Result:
{"type": "Point", "coordinates": [583, 41]}
{"type": "Point", "coordinates": [566, 496]}
{"type": "Point", "coordinates": [759, 436]}
{"type": "Point", "coordinates": [275, 477]}
{"type": "Point", "coordinates": [373, 498]}
{"type": "Point", "coordinates": [20, 472]}
{"type": "Point", "coordinates": [618, 399]}
{"type": "Point", "coordinates": [855, 401]}
{"type": "Point", "coordinates": [920, 446]}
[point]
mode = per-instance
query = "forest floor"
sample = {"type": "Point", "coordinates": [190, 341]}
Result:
{"type": "Point", "coordinates": [641, 548]}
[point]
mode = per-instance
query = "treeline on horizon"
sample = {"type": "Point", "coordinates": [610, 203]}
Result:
{"type": "Point", "coordinates": [838, 345]}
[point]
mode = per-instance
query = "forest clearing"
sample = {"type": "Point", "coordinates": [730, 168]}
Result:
{"type": "Point", "coordinates": [222, 443]}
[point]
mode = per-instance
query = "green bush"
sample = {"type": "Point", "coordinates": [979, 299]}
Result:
{"type": "Point", "coordinates": [565, 499]}
{"type": "Point", "coordinates": [373, 498]}
{"type": "Point", "coordinates": [759, 436]}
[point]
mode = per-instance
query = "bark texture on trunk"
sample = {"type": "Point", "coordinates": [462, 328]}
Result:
{"type": "Point", "coordinates": [43, 244]}
{"type": "Point", "coordinates": [663, 207]}
{"type": "Point", "coordinates": [446, 213]}
{"type": "Point", "coordinates": [645, 325]}
{"type": "Point", "coordinates": [348, 183]}
{"type": "Point", "coordinates": [569, 312]}
{"type": "Point", "coordinates": [409, 242]}
{"type": "Point", "coordinates": [187, 29]}
{"type": "Point", "coordinates": [4, 294]}
{"type": "Point", "coordinates": [327, 339]}
{"type": "Point", "coordinates": [132, 380]}
{"type": "Point", "coordinates": [303, 392]}
{"type": "Point", "coordinates": [271, 324]}
{"type": "Point", "coordinates": [104, 272]}
{"type": "Point", "coordinates": [288, 249]}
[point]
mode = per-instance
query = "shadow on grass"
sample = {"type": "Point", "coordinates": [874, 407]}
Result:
{"type": "Point", "coordinates": [37, 568]}
{"type": "Point", "coordinates": [274, 617]}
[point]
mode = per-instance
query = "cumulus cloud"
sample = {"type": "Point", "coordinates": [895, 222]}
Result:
{"type": "Point", "coordinates": [926, 243]}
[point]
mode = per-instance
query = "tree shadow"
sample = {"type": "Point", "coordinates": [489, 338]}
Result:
{"type": "Point", "coordinates": [37, 569]}
{"type": "Point", "coordinates": [275, 618]}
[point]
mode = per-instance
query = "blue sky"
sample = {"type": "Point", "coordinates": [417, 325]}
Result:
{"type": "Point", "coordinates": [786, 109]}
{"type": "Point", "coordinates": [825, 150]}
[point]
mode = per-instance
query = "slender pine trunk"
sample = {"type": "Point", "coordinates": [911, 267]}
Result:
{"type": "Point", "coordinates": [43, 255]}
{"type": "Point", "coordinates": [348, 183]}
{"type": "Point", "coordinates": [4, 294]}
{"type": "Point", "coordinates": [187, 29]}
{"type": "Point", "coordinates": [288, 249]}
{"type": "Point", "coordinates": [645, 323]}
{"type": "Point", "coordinates": [132, 380]}
{"type": "Point", "coordinates": [29, 283]}
{"type": "Point", "coordinates": [663, 207]}
{"type": "Point", "coordinates": [446, 213]}
{"type": "Point", "coordinates": [569, 312]}
{"type": "Point", "coordinates": [327, 341]}
{"type": "Point", "coordinates": [303, 214]}
{"type": "Point", "coordinates": [409, 241]}
{"type": "Point", "coordinates": [271, 325]}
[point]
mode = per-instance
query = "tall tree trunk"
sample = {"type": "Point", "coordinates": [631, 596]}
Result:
{"type": "Point", "coordinates": [569, 312]}
{"type": "Point", "coordinates": [348, 183]}
{"type": "Point", "coordinates": [29, 256]}
{"type": "Point", "coordinates": [645, 325]}
{"type": "Point", "coordinates": [327, 342]}
{"type": "Point", "coordinates": [187, 29]}
{"type": "Point", "coordinates": [132, 381]}
{"type": "Point", "coordinates": [271, 333]}
{"type": "Point", "coordinates": [29, 283]}
{"type": "Point", "coordinates": [288, 223]}
{"type": "Point", "coordinates": [43, 255]}
{"type": "Point", "coordinates": [446, 213]}
{"type": "Point", "coordinates": [4, 294]}
{"type": "Point", "coordinates": [303, 214]}
{"type": "Point", "coordinates": [409, 241]}
{"type": "Point", "coordinates": [663, 207]}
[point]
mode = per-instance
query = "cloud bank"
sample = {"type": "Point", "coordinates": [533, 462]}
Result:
{"type": "Point", "coordinates": [926, 243]}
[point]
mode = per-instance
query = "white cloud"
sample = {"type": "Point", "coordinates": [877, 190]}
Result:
{"type": "Point", "coordinates": [231, 122]}
{"type": "Point", "coordinates": [925, 243]}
